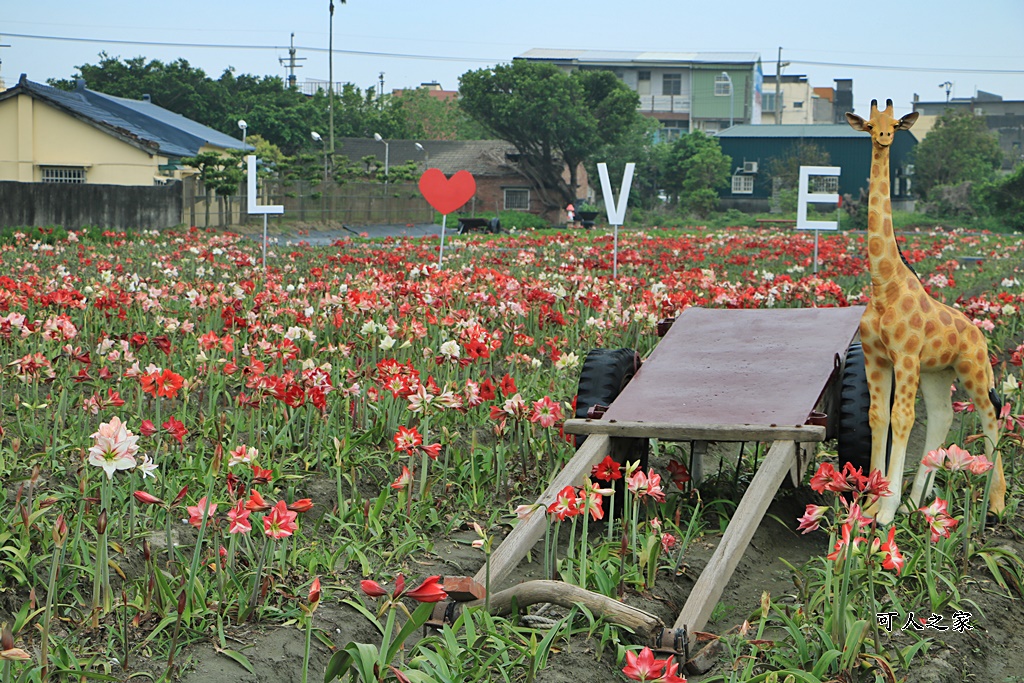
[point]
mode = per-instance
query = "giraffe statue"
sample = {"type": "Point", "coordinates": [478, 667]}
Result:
{"type": "Point", "coordinates": [909, 336]}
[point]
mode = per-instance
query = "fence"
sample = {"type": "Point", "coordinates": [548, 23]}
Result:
{"type": "Point", "coordinates": [76, 206]}
{"type": "Point", "coordinates": [348, 204]}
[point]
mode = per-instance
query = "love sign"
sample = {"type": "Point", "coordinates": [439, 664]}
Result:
{"type": "Point", "coordinates": [447, 194]}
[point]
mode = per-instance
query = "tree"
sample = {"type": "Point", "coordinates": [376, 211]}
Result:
{"type": "Point", "coordinates": [784, 171]}
{"type": "Point", "coordinates": [426, 117]}
{"type": "Point", "coordinates": [219, 174]}
{"type": "Point", "coordinates": [960, 148]}
{"type": "Point", "coordinates": [556, 120]}
{"type": "Point", "coordinates": [695, 168]}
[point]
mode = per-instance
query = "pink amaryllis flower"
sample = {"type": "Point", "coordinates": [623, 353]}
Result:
{"type": "Point", "coordinates": [546, 412]}
{"type": "Point", "coordinates": [280, 521]}
{"type": "Point", "coordinates": [812, 518]}
{"type": "Point", "coordinates": [197, 511]}
{"type": "Point", "coordinates": [566, 504]}
{"type": "Point", "coordinates": [114, 447]}
{"type": "Point", "coordinates": [643, 667]}
{"type": "Point", "coordinates": [238, 518]}
{"type": "Point", "coordinates": [939, 522]}
{"type": "Point", "coordinates": [893, 557]}
{"type": "Point", "coordinates": [640, 484]}
{"type": "Point", "coordinates": [957, 459]}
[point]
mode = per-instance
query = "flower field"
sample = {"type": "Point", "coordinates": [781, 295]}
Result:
{"type": "Point", "coordinates": [195, 452]}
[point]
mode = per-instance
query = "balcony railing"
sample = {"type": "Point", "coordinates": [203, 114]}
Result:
{"type": "Point", "coordinates": [675, 104]}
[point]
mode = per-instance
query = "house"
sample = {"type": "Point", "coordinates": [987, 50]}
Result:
{"type": "Point", "coordinates": [754, 148]}
{"type": "Point", "coordinates": [1004, 117]}
{"type": "Point", "coordinates": [48, 135]}
{"type": "Point", "coordinates": [684, 91]}
{"type": "Point", "coordinates": [500, 185]}
{"type": "Point", "coordinates": [800, 102]}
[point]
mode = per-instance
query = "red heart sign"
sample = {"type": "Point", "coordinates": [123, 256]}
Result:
{"type": "Point", "coordinates": [447, 194]}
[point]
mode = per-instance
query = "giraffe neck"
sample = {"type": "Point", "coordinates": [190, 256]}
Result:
{"type": "Point", "coordinates": [884, 261]}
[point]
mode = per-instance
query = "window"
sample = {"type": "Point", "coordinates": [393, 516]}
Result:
{"type": "Point", "coordinates": [798, 105]}
{"type": "Point", "coordinates": [63, 174]}
{"type": "Point", "coordinates": [823, 184]}
{"type": "Point", "coordinates": [743, 184]}
{"type": "Point", "coordinates": [672, 84]}
{"type": "Point", "coordinates": [723, 86]}
{"type": "Point", "coordinates": [517, 199]}
{"type": "Point", "coordinates": [671, 130]}
{"type": "Point", "coordinates": [643, 75]}
{"type": "Point", "coordinates": [768, 101]}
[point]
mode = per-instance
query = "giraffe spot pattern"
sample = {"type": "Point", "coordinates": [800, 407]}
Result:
{"type": "Point", "coordinates": [945, 318]}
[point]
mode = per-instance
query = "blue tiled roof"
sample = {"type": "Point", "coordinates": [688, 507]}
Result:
{"type": "Point", "coordinates": [171, 134]}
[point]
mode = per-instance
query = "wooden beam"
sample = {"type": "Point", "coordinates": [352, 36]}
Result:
{"type": "Point", "coordinates": [671, 431]}
{"type": "Point", "coordinates": [712, 581]}
{"type": "Point", "coordinates": [506, 556]}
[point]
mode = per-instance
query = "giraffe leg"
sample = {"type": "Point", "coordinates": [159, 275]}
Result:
{"type": "Point", "coordinates": [990, 427]}
{"type": "Point", "coordinates": [906, 378]}
{"type": "Point", "coordinates": [935, 389]}
{"type": "Point", "coordinates": [878, 370]}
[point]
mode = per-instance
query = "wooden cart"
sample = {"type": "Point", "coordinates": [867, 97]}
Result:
{"type": "Point", "coordinates": [717, 375]}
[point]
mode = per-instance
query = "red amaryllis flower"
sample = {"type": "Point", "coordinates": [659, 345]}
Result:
{"type": "Point", "coordinates": [679, 474]}
{"type": "Point", "coordinates": [374, 589]}
{"type": "Point", "coordinates": [147, 498]}
{"type": "Point", "coordinates": [138, 340]}
{"type": "Point", "coordinates": [566, 504]}
{"type": "Point", "coordinates": [507, 385]}
{"type": "Point", "coordinates": [176, 429]}
{"type": "Point", "coordinates": [164, 383]}
{"type": "Point", "coordinates": [280, 521]}
{"type": "Point", "coordinates": [199, 510]}
{"type": "Point", "coordinates": [812, 518]}
{"type": "Point", "coordinates": [893, 557]}
{"type": "Point", "coordinates": [546, 412]}
{"type": "Point", "coordinates": [260, 475]}
{"type": "Point", "coordinates": [487, 390]}
{"type": "Point", "coordinates": [430, 590]}
{"type": "Point", "coordinates": [163, 342]}
{"type": "Point", "coordinates": [406, 440]}
{"type": "Point", "coordinates": [256, 502]}
{"type": "Point", "coordinates": [404, 479]}
{"type": "Point", "coordinates": [314, 591]}
{"type": "Point", "coordinates": [607, 469]}
{"type": "Point", "coordinates": [148, 428]}
{"type": "Point", "coordinates": [301, 505]}
{"type": "Point", "coordinates": [643, 667]}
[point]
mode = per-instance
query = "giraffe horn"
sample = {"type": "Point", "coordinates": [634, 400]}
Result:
{"type": "Point", "coordinates": [888, 107]}
{"type": "Point", "coordinates": [874, 107]}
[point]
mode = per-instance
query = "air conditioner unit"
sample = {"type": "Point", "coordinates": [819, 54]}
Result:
{"type": "Point", "coordinates": [750, 167]}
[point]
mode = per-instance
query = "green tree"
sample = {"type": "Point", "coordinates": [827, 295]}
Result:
{"type": "Point", "coordinates": [783, 172]}
{"type": "Point", "coordinates": [695, 168]}
{"type": "Point", "coordinates": [960, 148]}
{"type": "Point", "coordinates": [219, 174]}
{"type": "Point", "coordinates": [556, 120]}
{"type": "Point", "coordinates": [637, 146]}
{"type": "Point", "coordinates": [426, 117]}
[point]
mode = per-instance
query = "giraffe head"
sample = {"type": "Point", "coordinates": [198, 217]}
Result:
{"type": "Point", "coordinates": [882, 125]}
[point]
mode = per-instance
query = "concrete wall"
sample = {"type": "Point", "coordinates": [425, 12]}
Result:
{"type": "Point", "coordinates": [76, 206]}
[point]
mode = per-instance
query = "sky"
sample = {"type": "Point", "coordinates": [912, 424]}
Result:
{"type": "Point", "coordinates": [889, 49]}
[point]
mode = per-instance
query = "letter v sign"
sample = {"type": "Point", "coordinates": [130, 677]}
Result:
{"type": "Point", "coordinates": [616, 210]}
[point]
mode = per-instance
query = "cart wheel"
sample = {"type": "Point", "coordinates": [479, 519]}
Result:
{"type": "Point", "coordinates": [605, 373]}
{"type": "Point", "coordinates": [854, 429]}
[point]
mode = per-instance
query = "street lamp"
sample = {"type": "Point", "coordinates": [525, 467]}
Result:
{"type": "Point", "coordinates": [318, 138]}
{"type": "Point", "coordinates": [245, 127]}
{"type": "Point", "coordinates": [387, 152]}
{"type": "Point", "coordinates": [732, 95]}
{"type": "Point", "coordinates": [426, 156]}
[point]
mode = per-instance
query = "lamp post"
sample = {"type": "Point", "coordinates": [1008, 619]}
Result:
{"type": "Point", "coordinates": [245, 127]}
{"type": "Point", "coordinates": [732, 95]}
{"type": "Point", "coordinates": [318, 138]}
{"type": "Point", "coordinates": [387, 153]}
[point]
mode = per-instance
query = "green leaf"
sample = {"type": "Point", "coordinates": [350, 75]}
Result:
{"type": "Point", "coordinates": [239, 658]}
{"type": "Point", "coordinates": [339, 664]}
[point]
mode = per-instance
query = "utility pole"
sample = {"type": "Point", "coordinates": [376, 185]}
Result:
{"type": "Point", "coordinates": [290, 63]}
{"type": "Point", "coordinates": [778, 86]}
{"type": "Point", "coordinates": [2, 88]}
{"type": "Point", "coordinates": [380, 88]}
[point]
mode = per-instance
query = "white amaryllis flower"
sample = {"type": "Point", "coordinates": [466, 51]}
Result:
{"type": "Point", "coordinates": [147, 467]}
{"type": "Point", "coordinates": [114, 448]}
{"type": "Point", "coordinates": [567, 361]}
{"type": "Point", "coordinates": [1010, 384]}
{"type": "Point", "coordinates": [450, 349]}
{"type": "Point", "coordinates": [242, 454]}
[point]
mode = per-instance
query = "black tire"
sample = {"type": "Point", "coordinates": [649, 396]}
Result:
{"type": "Point", "coordinates": [604, 374]}
{"type": "Point", "coordinates": [854, 437]}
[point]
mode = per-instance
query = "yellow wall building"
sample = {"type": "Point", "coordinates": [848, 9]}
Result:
{"type": "Point", "coordinates": [82, 136]}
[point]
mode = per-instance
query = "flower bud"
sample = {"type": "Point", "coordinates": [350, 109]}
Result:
{"type": "Point", "coordinates": [181, 603]}
{"type": "Point", "coordinates": [101, 522]}
{"type": "Point", "coordinates": [60, 531]}
{"type": "Point", "coordinates": [147, 550]}
{"type": "Point", "coordinates": [147, 498]}
{"type": "Point", "coordinates": [181, 496]}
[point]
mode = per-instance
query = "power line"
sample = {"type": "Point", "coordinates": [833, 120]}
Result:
{"type": "Point", "coordinates": [223, 46]}
{"type": "Point", "coordinates": [890, 67]}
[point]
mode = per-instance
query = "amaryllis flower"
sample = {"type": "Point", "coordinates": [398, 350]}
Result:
{"type": "Point", "coordinates": [260, 475]}
{"type": "Point", "coordinates": [957, 459]}
{"type": "Point", "coordinates": [507, 385]}
{"type": "Point", "coordinates": [876, 486]}
{"type": "Point", "coordinates": [147, 498]}
{"type": "Point", "coordinates": [404, 480]}
{"type": "Point", "coordinates": [196, 512]}
{"type": "Point", "coordinates": [845, 542]}
{"type": "Point", "coordinates": [979, 465]}
{"type": "Point", "coordinates": [242, 454]}
{"type": "Point", "coordinates": [640, 484]}
{"type": "Point", "coordinates": [164, 383]}
{"type": "Point", "coordinates": [280, 521]}
{"type": "Point", "coordinates": [939, 522]}
{"type": "Point", "coordinates": [812, 518]}
{"type": "Point", "coordinates": [314, 592]}
{"type": "Point", "coordinates": [238, 518]}
{"type": "Point", "coordinates": [148, 428]}
{"type": "Point", "coordinates": [406, 440]}
{"type": "Point", "coordinates": [566, 504]}
{"type": "Point", "coordinates": [302, 505]}
{"type": "Point", "coordinates": [374, 590]}
{"type": "Point", "coordinates": [147, 467]}
{"type": "Point", "coordinates": [893, 557]}
{"type": "Point", "coordinates": [546, 412]}
{"type": "Point", "coordinates": [643, 667]}
{"type": "Point", "coordinates": [430, 590]}
{"type": "Point", "coordinates": [176, 428]}
{"type": "Point", "coordinates": [256, 502]}
{"type": "Point", "coordinates": [114, 447]}
{"type": "Point", "coordinates": [854, 514]}
{"type": "Point", "coordinates": [678, 473]}
{"type": "Point", "coordinates": [607, 469]}
{"type": "Point", "coordinates": [668, 542]}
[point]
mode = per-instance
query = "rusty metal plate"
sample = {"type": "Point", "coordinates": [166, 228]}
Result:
{"type": "Point", "coordinates": [761, 367]}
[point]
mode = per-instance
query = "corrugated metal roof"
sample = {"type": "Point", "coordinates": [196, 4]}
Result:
{"type": "Point", "coordinates": [637, 56]}
{"type": "Point", "coordinates": [173, 135]}
{"type": "Point", "coordinates": [790, 130]}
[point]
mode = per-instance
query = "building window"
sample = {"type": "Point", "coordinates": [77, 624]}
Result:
{"type": "Point", "coordinates": [63, 174]}
{"type": "Point", "coordinates": [743, 184]}
{"type": "Point", "coordinates": [723, 86]}
{"type": "Point", "coordinates": [517, 199]}
{"type": "Point", "coordinates": [823, 184]}
{"type": "Point", "coordinates": [643, 75]}
{"type": "Point", "coordinates": [768, 101]}
{"type": "Point", "coordinates": [798, 105]}
{"type": "Point", "coordinates": [672, 84]}
{"type": "Point", "coordinates": [671, 130]}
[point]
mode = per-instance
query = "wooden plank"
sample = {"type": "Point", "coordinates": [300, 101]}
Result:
{"type": "Point", "coordinates": [506, 556]}
{"type": "Point", "coordinates": [671, 431]}
{"type": "Point", "coordinates": [712, 581]}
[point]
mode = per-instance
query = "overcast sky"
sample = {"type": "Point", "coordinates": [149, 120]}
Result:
{"type": "Point", "coordinates": [889, 49]}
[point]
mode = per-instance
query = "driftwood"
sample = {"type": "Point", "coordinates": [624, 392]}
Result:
{"type": "Point", "coordinates": [644, 624]}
